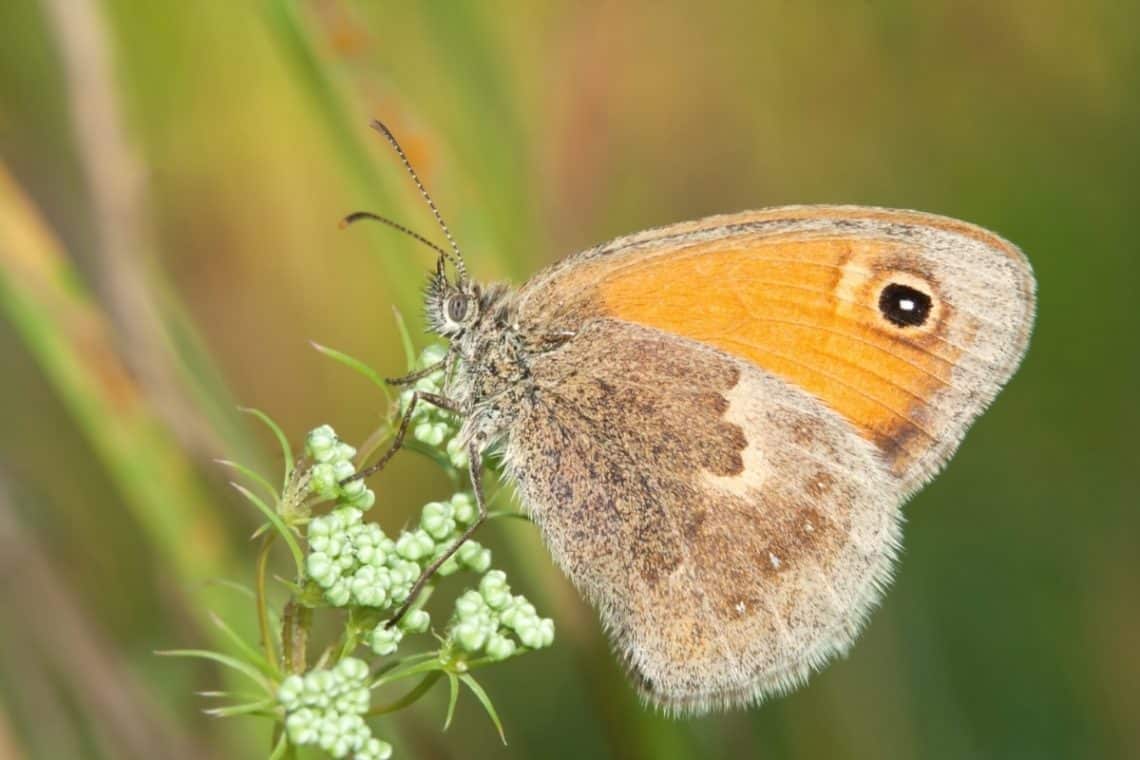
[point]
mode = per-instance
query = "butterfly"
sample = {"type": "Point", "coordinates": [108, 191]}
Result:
{"type": "Point", "coordinates": [715, 424]}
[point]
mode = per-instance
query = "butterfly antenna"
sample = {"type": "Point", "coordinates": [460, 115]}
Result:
{"type": "Point", "coordinates": [357, 216]}
{"type": "Point", "coordinates": [460, 267]}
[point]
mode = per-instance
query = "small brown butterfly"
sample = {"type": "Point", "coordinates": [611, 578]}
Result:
{"type": "Point", "coordinates": [715, 424]}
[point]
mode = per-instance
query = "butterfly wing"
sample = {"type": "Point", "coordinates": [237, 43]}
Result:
{"type": "Point", "coordinates": [799, 292]}
{"type": "Point", "coordinates": [731, 531]}
{"type": "Point", "coordinates": [718, 451]}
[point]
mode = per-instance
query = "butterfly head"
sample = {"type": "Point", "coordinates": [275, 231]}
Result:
{"type": "Point", "coordinates": [452, 306]}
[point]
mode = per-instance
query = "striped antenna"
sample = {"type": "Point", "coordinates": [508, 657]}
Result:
{"type": "Point", "coordinates": [460, 267]}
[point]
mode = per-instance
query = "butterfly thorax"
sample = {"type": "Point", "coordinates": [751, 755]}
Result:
{"type": "Point", "coordinates": [492, 374]}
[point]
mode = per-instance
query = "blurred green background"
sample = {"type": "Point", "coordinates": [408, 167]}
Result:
{"type": "Point", "coordinates": [171, 176]}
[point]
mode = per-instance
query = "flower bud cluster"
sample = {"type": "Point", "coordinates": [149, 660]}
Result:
{"type": "Point", "coordinates": [332, 465]}
{"type": "Point", "coordinates": [430, 424]}
{"type": "Point", "coordinates": [355, 563]}
{"type": "Point", "coordinates": [326, 708]}
{"type": "Point", "coordinates": [485, 619]}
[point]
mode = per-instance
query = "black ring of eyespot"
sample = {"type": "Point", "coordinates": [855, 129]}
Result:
{"type": "Point", "coordinates": [457, 307]}
{"type": "Point", "coordinates": [904, 306]}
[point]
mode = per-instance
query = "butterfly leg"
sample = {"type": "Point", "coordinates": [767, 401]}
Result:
{"type": "Point", "coordinates": [475, 470]}
{"type": "Point", "coordinates": [419, 374]}
{"type": "Point", "coordinates": [417, 396]}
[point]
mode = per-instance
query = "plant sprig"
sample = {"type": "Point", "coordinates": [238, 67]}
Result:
{"type": "Point", "coordinates": [343, 563]}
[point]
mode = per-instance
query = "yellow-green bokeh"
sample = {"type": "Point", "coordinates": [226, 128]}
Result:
{"type": "Point", "coordinates": [1011, 628]}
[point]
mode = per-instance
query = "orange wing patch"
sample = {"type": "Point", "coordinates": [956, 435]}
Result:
{"type": "Point", "coordinates": [806, 311]}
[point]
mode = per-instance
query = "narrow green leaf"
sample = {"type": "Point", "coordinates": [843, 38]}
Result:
{"type": "Point", "coordinates": [222, 659]}
{"type": "Point", "coordinates": [252, 475]}
{"type": "Point", "coordinates": [405, 339]}
{"type": "Point", "coordinates": [406, 672]}
{"type": "Point", "coordinates": [262, 707]}
{"type": "Point", "coordinates": [355, 364]}
{"type": "Point", "coordinates": [248, 593]}
{"type": "Point", "coordinates": [273, 517]}
{"type": "Point", "coordinates": [286, 451]}
{"type": "Point", "coordinates": [251, 655]}
{"type": "Point", "coordinates": [279, 749]}
{"type": "Point", "coordinates": [481, 695]}
{"type": "Point", "coordinates": [232, 585]}
{"type": "Point", "coordinates": [411, 697]}
{"type": "Point", "coordinates": [452, 699]}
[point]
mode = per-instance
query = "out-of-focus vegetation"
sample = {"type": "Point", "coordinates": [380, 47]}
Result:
{"type": "Point", "coordinates": [171, 176]}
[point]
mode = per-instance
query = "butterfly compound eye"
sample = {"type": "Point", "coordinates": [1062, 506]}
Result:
{"type": "Point", "coordinates": [457, 307]}
{"type": "Point", "coordinates": [904, 306]}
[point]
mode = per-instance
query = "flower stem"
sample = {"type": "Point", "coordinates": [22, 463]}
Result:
{"type": "Point", "coordinates": [295, 624]}
{"type": "Point", "coordinates": [262, 605]}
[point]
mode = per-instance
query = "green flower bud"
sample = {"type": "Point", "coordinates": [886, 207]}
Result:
{"type": "Point", "coordinates": [404, 572]}
{"type": "Point", "coordinates": [470, 635]}
{"type": "Point", "coordinates": [320, 444]}
{"type": "Point", "coordinates": [339, 593]}
{"type": "Point", "coordinates": [436, 520]}
{"type": "Point", "coordinates": [374, 749]}
{"type": "Point", "coordinates": [383, 640]}
{"type": "Point", "coordinates": [500, 647]}
{"type": "Point", "coordinates": [343, 470]}
{"type": "Point", "coordinates": [355, 701]}
{"type": "Point", "coordinates": [344, 452]}
{"type": "Point", "coordinates": [290, 691]}
{"type": "Point", "coordinates": [301, 726]}
{"type": "Point", "coordinates": [364, 500]}
{"type": "Point", "coordinates": [353, 669]}
{"type": "Point", "coordinates": [468, 551]}
{"type": "Point", "coordinates": [432, 354]}
{"type": "Point", "coordinates": [319, 683]}
{"type": "Point", "coordinates": [323, 480]}
{"type": "Point", "coordinates": [449, 566]}
{"type": "Point", "coordinates": [427, 384]}
{"type": "Point", "coordinates": [538, 635]}
{"type": "Point", "coordinates": [469, 604]}
{"type": "Point", "coordinates": [472, 555]}
{"type": "Point", "coordinates": [319, 526]}
{"type": "Point", "coordinates": [464, 509]}
{"type": "Point", "coordinates": [495, 590]}
{"type": "Point", "coordinates": [369, 588]}
{"type": "Point", "coordinates": [370, 555]}
{"type": "Point", "coordinates": [353, 489]}
{"type": "Point", "coordinates": [321, 569]}
{"type": "Point", "coordinates": [415, 621]}
{"type": "Point", "coordinates": [457, 454]}
{"type": "Point", "coordinates": [431, 433]}
{"type": "Point", "coordinates": [415, 546]}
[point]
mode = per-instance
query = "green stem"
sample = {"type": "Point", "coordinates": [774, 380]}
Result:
{"type": "Point", "coordinates": [262, 605]}
{"type": "Point", "coordinates": [295, 624]}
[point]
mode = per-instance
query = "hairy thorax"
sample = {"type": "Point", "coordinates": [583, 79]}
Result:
{"type": "Point", "coordinates": [492, 380]}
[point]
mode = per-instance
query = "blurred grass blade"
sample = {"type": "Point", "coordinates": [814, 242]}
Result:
{"type": "Point", "coordinates": [70, 338]}
{"type": "Point", "coordinates": [346, 128]}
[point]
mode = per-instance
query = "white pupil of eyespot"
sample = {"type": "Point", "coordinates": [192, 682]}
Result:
{"type": "Point", "coordinates": [906, 304]}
